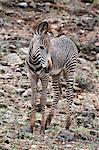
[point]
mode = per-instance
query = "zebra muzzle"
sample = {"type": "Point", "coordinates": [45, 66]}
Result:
{"type": "Point", "coordinates": [47, 68]}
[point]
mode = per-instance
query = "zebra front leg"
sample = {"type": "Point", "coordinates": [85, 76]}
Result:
{"type": "Point", "coordinates": [56, 89]}
{"type": "Point", "coordinates": [43, 103]}
{"type": "Point", "coordinates": [33, 81]}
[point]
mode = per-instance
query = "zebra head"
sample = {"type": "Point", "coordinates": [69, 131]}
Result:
{"type": "Point", "coordinates": [41, 47]}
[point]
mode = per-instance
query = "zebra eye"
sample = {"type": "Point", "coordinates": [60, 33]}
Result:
{"type": "Point", "coordinates": [41, 47]}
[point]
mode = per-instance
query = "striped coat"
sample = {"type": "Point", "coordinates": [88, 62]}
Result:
{"type": "Point", "coordinates": [51, 57]}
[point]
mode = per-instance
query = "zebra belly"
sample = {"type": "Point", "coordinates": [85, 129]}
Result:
{"type": "Point", "coordinates": [55, 71]}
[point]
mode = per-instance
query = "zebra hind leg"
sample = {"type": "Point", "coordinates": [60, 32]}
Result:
{"type": "Point", "coordinates": [32, 121]}
{"type": "Point", "coordinates": [70, 79]}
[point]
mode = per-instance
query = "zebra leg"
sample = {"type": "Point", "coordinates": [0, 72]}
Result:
{"type": "Point", "coordinates": [33, 81]}
{"type": "Point", "coordinates": [43, 102]}
{"type": "Point", "coordinates": [56, 89]}
{"type": "Point", "coordinates": [69, 76]}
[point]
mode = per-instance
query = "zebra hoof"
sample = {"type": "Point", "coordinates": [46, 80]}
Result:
{"type": "Point", "coordinates": [48, 120]}
{"type": "Point", "coordinates": [67, 127]}
{"type": "Point", "coordinates": [68, 123]}
{"type": "Point", "coordinates": [38, 108]}
{"type": "Point", "coordinates": [42, 131]}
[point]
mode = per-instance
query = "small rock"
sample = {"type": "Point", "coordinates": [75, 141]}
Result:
{"type": "Point", "coordinates": [27, 93]}
{"type": "Point", "coordinates": [1, 92]}
{"type": "Point", "coordinates": [76, 88]}
{"type": "Point", "coordinates": [97, 64]}
{"type": "Point", "coordinates": [20, 90]}
{"type": "Point", "coordinates": [97, 56]}
{"type": "Point", "coordinates": [9, 11]}
{"type": "Point", "coordinates": [92, 107]}
{"type": "Point", "coordinates": [93, 115]}
{"type": "Point", "coordinates": [9, 88]}
{"type": "Point", "coordinates": [7, 141]}
{"type": "Point", "coordinates": [6, 76]}
{"type": "Point", "coordinates": [24, 50]}
{"type": "Point", "coordinates": [1, 141]}
{"type": "Point", "coordinates": [67, 136]}
{"type": "Point", "coordinates": [1, 8]}
{"type": "Point", "coordinates": [82, 31]}
{"type": "Point", "coordinates": [12, 46]}
{"type": "Point", "coordinates": [84, 138]}
{"type": "Point", "coordinates": [20, 21]}
{"type": "Point", "coordinates": [32, 4]}
{"type": "Point", "coordinates": [48, 104]}
{"type": "Point", "coordinates": [91, 58]}
{"type": "Point", "coordinates": [77, 102]}
{"type": "Point", "coordinates": [1, 22]}
{"type": "Point", "coordinates": [86, 68]}
{"type": "Point", "coordinates": [97, 107]}
{"type": "Point", "coordinates": [2, 105]}
{"type": "Point", "coordinates": [11, 134]}
{"type": "Point", "coordinates": [80, 97]}
{"type": "Point", "coordinates": [87, 1]}
{"type": "Point", "coordinates": [82, 60]}
{"type": "Point", "coordinates": [55, 27]}
{"type": "Point", "coordinates": [9, 117]}
{"type": "Point", "coordinates": [34, 147]}
{"type": "Point", "coordinates": [23, 73]}
{"type": "Point", "coordinates": [23, 4]}
{"type": "Point", "coordinates": [13, 58]}
{"type": "Point", "coordinates": [68, 145]}
{"type": "Point", "coordinates": [97, 44]}
{"type": "Point", "coordinates": [79, 120]}
{"type": "Point", "coordinates": [4, 63]}
{"type": "Point", "coordinates": [92, 132]}
{"type": "Point", "coordinates": [4, 69]}
{"type": "Point", "coordinates": [28, 129]}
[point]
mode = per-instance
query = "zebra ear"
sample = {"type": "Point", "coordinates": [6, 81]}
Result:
{"type": "Point", "coordinates": [43, 27]}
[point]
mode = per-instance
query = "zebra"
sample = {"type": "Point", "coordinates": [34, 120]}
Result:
{"type": "Point", "coordinates": [49, 57]}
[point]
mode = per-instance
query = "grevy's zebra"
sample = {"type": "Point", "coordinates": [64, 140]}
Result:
{"type": "Point", "coordinates": [51, 57]}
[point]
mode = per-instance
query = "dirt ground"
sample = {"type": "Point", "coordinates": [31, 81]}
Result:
{"type": "Point", "coordinates": [77, 20]}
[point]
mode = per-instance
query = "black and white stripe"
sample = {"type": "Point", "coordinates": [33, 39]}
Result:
{"type": "Point", "coordinates": [35, 61]}
{"type": "Point", "coordinates": [64, 55]}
